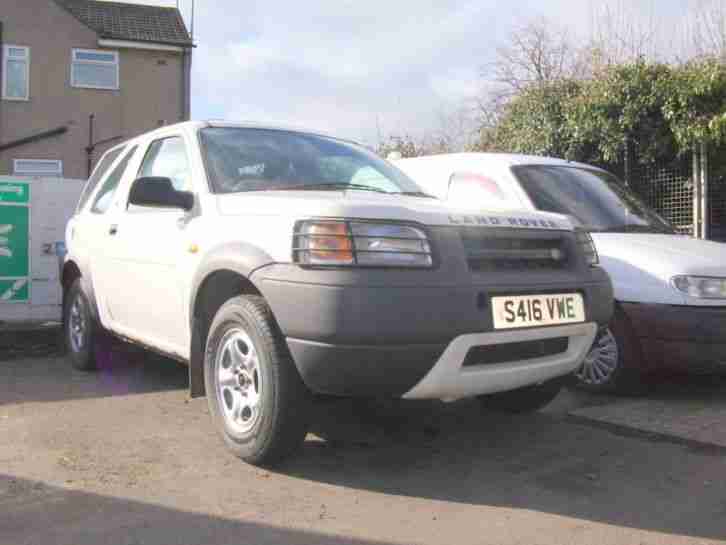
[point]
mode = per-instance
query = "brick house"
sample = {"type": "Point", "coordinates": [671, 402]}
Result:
{"type": "Point", "coordinates": [77, 76]}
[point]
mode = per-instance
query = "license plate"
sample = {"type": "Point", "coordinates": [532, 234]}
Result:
{"type": "Point", "coordinates": [537, 310]}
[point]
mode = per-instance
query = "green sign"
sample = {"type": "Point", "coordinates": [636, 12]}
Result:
{"type": "Point", "coordinates": [14, 290]}
{"type": "Point", "coordinates": [14, 234]}
{"type": "Point", "coordinates": [14, 241]}
{"type": "Point", "coordinates": [16, 192]}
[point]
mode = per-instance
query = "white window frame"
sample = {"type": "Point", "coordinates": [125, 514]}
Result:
{"type": "Point", "coordinates": [58, 173]}
{"type": "Point", "coordinates": [101, 63]}
{"type": "Point", "coordinates": [5, 59]}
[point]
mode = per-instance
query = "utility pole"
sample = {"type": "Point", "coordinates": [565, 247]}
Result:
{"type": "Point", "coordinates": [192, 23]}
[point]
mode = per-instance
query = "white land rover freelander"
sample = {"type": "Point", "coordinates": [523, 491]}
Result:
{"type": "Point", "coordinates": [279, 264]}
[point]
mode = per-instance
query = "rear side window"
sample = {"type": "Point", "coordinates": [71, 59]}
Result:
{"type": "Point", "coordinates": [100, 171]}
{"type": "Point", "coordinates": [106, 193]}
{"type": "Point", "coordinates": [168, 158]}
{"type": "Point", "coordinates": [470, 188]}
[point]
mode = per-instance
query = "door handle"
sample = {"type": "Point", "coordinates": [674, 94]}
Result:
{"type": "Point", "coordinates": [113, 230]}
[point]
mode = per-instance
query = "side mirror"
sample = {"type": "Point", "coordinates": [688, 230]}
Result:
{"type": "Point", "coordinates": [159, 192]}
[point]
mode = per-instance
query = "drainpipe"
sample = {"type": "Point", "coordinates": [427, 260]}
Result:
{"type": "Point", "coordinates": [91, 147]}
{"type": "Point", "coordinates": [33, 138]}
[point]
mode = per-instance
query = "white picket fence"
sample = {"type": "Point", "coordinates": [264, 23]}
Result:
{"type": "Point", "coordinates": [50, 206]}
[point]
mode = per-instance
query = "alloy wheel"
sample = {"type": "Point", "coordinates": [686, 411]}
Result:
{"type": "Point", "coordinates": [601, 362]}
{"type": "Point", "coordinates": [77, 324]}
{"type": "Point", "coordinates": [239, 381]}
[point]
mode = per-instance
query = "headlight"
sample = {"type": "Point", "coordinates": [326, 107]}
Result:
{"type": "Point", "coordinates": [584, 240]}
{"type": "Point", "coordinates": [704, 287]}
{"type": "Point", "coordinates": [334, 242]}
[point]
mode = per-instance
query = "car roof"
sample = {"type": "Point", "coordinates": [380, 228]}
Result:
{"type": "Point", "coordinates": [494, 159]}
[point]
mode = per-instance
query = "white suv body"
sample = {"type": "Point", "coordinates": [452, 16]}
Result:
{"type": "Point", "coordinates": [194, 241]}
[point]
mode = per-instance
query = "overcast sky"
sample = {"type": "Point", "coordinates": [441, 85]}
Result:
{"type": "Point", "coordinates": [363, 68]}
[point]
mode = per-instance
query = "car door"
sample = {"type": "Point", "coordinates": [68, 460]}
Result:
{"type": "Point", "coordinates": [96, 228]}
{"type": "Point", "coordinates": [151, 249]}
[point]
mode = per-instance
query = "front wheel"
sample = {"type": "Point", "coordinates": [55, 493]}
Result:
{"type": "Point", "coordinates": [523, 400]}
{"type": "Point", "coordinates": [255, 394]}
{"type": "Point", "coordinates": [612, 363]}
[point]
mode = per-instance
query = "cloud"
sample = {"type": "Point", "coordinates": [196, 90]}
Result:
{"type": "Point", "coordinates": [348, 67]}
{"type": "Point", "coordinates": [360, 69]}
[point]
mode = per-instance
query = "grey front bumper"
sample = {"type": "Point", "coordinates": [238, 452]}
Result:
{"type": "Point", "coordinates": [372, 332]}
{"type": "Point", "coordinates": [679, 338]}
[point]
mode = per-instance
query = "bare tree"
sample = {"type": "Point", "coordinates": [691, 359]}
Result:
{"type": "Point", "coordinates": [620, 35]}
{"type": "Point", "coordinates": [410, 146]}
{"type": "Point", "coordinates": [456, 128]}
{"type": "Point", "coordinates": [536, 53]}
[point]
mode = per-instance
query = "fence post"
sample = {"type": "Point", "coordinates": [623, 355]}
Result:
{"type": "Point", "coordinates": [705, 209]}
{"type": "Point", "coordinates": [627, 163]}
{"type": "Point", "coordinates": [696, 180]}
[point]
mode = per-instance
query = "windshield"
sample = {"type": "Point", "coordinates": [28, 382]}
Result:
{"type": "Point", "coordinates": [594, 198]}
{"type": "Point", "coordinates": [241, 159]}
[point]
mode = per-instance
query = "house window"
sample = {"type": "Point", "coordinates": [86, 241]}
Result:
{"type": "Point", "coordinates": [16, 72]}
{"type": "Point", "coordinates": [38, 167]}
{"type": "Point", "coordinates": [94, 69]}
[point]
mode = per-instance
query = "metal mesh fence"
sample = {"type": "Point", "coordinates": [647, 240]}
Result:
{"type": "Point", "coordinates": [669, 191]}
{"type": "Point", "coordinates": [717, 194]}
{"type": "Point", "coordinates": [668, 188]}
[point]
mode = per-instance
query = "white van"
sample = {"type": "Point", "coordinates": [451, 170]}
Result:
{"type": "Point", "coordinates": [670, 289]}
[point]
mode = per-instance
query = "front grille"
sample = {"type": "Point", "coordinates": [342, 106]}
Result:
{"type": "Point", "coordinates": [508, 352]}
{"type": "Point", "coordinates": [514, 251]}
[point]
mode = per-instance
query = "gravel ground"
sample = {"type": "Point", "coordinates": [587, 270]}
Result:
{"type": "Point", "coordinates": [30, 343]}
{"type": "Point", "coordinates": [122, 456]}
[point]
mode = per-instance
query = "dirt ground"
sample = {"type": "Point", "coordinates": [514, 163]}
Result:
{"type": "Point", "coordinates": [122, 456]}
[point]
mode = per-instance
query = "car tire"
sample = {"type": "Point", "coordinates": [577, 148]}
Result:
{"type": "Point", "coordinates": [610, 366]}
{"type": "Point", "coordinates": [81, 332]}
{"type": "Point", "coordinates": [523, 400]}
{"type": "Point", "coordinates": [256, 397]}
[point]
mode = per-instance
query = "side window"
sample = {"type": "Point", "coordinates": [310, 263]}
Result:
{"type": "Point", "coordinates": [100, 171]}
{"type": "Point", "coordinates": [168, 158]}
{"type": "Point", "coordinates": [468, 187]}
{"type": "Point", "coordinates": [105, 194]}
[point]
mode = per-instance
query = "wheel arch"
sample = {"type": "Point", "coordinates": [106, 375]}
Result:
{"type": "Point", "coordinates": [635, 348]}
{"type": "Point", "coordinates": [70, 273]}
{"type": "Point", "coordinates": [224, 273]}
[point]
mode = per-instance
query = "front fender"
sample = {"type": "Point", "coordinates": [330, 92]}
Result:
{"type": "Point", "coordinates": [237, 257]}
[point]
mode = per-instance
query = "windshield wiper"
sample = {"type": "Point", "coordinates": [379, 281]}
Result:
{"type": "Point", "coordinates": [415, 194]}
{"type": "Point", "coordinates": [333, 186]}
